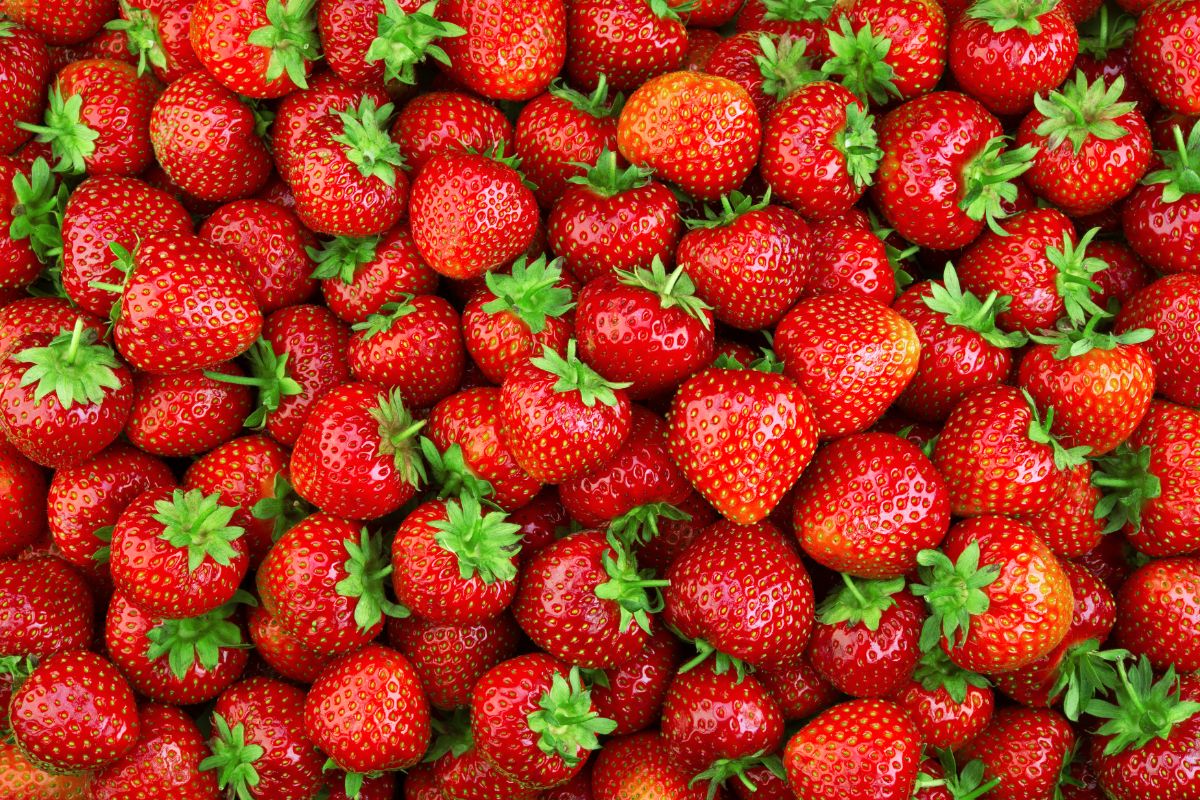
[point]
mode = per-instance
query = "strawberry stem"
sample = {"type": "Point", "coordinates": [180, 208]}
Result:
{"type": "Point", "coordinates": [859, 602]}
{"type": "Point", "coordinates": [674, 289]}
{"type": "Point", "coordinates": [859, 62]}
{"type": "Point", "coordinates": [405, 40]}
{"type": "Point", "coordinates": [627, 587]}
{"type": "Point", "coordinates": [368, 145]}
{"type": "Point", "coordinates": [141, 36]}
{"type": "Point", "coordinates": [1079, 111]}
{"type": "Point", "coordinates": [606, 179]}
{"type": "Point", "coordinates": [366, 569]}
{"type": "Point", "coordinates": [269, 374]}
{"type": "Point", "coordinates": [73, 366]}
{"type": "Point", "coordinates": [575, 376]}
{"type": "Point", "coordinates": [1181, 175]}
{"type": "Point", "coordinates": [397, 430]}
{"type": "Point", "coordinates": [198, 640]}
{"type": "Point", "coordinates": [1128, 484]}
{"type": "Point", "coordinates": [964, 310]}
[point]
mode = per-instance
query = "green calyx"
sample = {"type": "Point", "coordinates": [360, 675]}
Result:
{"type": "Point", "coordinates": [140, 26]}
{"type": "Point", "coordinates": [1072, 342]}
{"type": "Point", "coordinates": [1007, 15]}
{"type": "Point", "coordinates": [1125, 478]}
{"type": "Point", "coordinates": [954, 592]}
{"type": "Point", "coordinates": [533, 292]}
{"type": "Point", "coordinates": [1181, 175]}
{"type": "Point", "coordinates": [341, 257]}
{"type": "Point", "coordinates": [575, 376]}
{"type": "Point", "coordinates": [859, 145]}
{"type": "Point", "coordinates": [284, 508]}
{"type": "Point", "coordinates": [103, 553]}
{"type": "Point", "coordinates": [233, 759]}
{"type": "Point", "coordinates": [37, 215]}
{"type": "Point", "coordinates": [1074, 282]}
{"type": "Point", "coordinates": [1099, 35]}
{"type": "Point", "coordinates": [565, 720]}
{"type": "Point", "coordinates": [484, 544]}
{"type": "Point", "coordinates": [733, 205]}
{"type": "Point", "coordinates": [664, 9]}
{"type": "Point", "coordinates": [367, 569]}
{"type": "Point", "coordinates": [198, 640]}
{"type": "Point", "coordinates": [397, 437]}
{"type": "Point", "coordinates": [405, 40]}
{"type": "Point", "coordinates": [768, 362]}
{"type": "Point", "coordinates": [1084, 673]}
{"type": "Point", "coordinates": [291, 36]}
{"type": "Point", "coordinates": [936, 671]}
{"type": "Point", "coordinates": [352, 783]}
{"type": "Point", "coordinates": [6, 28]}
{"type": "Point", "coordinates": [634, 590]}
{"type": "Point", "coordinates": [1039, 432]}
{"type": "Point", "coordinates": [722, 662]}
{"type": "Point", "coordinates": [783, 65]}
{"type": "Point", "coordinates": [452, 735]}
{"type": "Point", "coordinates": [450, 472]}
{"type": "Point", "coordinates": [1144, 709]}
{"type": "Point", "coordinates": [988, 184]}
{"type": "Point", "coordinates": [895, 256]}
{"type": "Point", "coordinates": [73, 366]}
{"type": "Point", "coordinates": [1081, 110]}
{"type": "Point", "coordinates": [597, 104]}
{"type": "Point", "coordinates": [268, 374]}
{"type": "Point", "coordinates": [674, 289]}
{"type": "Point", "coordinates": [965, 310]}
{"type": "Point", "coordinates": [967, 784]}
{"type": "Point", "coordinates": [71, 141]}
{"type": "Point", "coordinates": [200, 524]}
{"type": "Point", "coordinates": [388, 315]}
{"type": "Point", "coordinates": [639, 525]}
{"type": "Point", "coordinates": [368, 145]}
{"type": "Point", "coordinates": [859, 63]}
{"type": "Point", "coordinates": [798, 10]}
{"type": "Point", "coordinates": [721, 770]}
{"type": "Point", "coordinates": [607, 179]}
{"type": "Point", "coordinates": [859, 602]}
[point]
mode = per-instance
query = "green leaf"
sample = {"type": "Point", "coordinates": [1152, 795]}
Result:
{"type": "Point", "coordinates": [405, 40]}
{"type": "Point", "coordinates": [73, 366]}
{"type": "Point", "coordinates": [200, 524]}
{"type": "Point", "coordinates": [1144, 710]}
{"type": "Point", "coordinates": [366, 568]}
{"type": "Point", "coordinates": [575, 376]}
{"type": "Point", "coordinates": [565, 722]}
{"type": "Point", "coordinates": [1181, 175]}
{"type": "Point", "coordinates": [964, 310]}
{"type": "Point", "coordinates": [954, 593]}
{"type": "Point", "coordinates": [71, 140]}
{"type": "Point", "coordinates": [368, 145]}
{"type": "Point", "coordinates": [291, 36]}
{"type": "Point", "coordinates": [484, 544]}
{"type": "Point", "coordinates": [533, 292]}
{"type": "Point", "coordinates": [674, 290]}
{"type": "Point", "coordinates": [860, 62]}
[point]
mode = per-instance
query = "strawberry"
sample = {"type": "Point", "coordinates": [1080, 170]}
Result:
{"type": "Point", "coordinates": [166, 758]}
{"type": "Point", "coordinates": [994, 577]}
{"type": "Point", "coordinates": [532, 719]}
{"type": "Point", "coordinates": [257, 48]}
{"type": "Point", "coordinates": [1162, 53]}
{"type": "Point", "coordinates": [46, 609]}
{"type": "Point", "coordinates": [1104, 53]}
{"type": "Point", "coordinates": [282, 651]}
{"type": "Point", "coordinates": [63, 398]}
{"type": "Point", "coordinates": [24, 77]}
{"type": "Point", "coordinates": [949, 705]}
{"type": "Point", "coordinates": [860, 748]}
{"type": "Point", "coordinates": [1069, 526]}
{"type": "Point", "coordinates": [30, 315]}
{"type": "Point", "coordinates": [19, 778]}
{"type": "Point", "coordinates": [367, 711]}
{"type": "Point", "coordinates": [584, 601]}
{"type": "Point", "coordinates": [1170, 307]}
{"type": "Point", "coordinates": [699, 132]}
{"type": "Point", "coordinates": [75, 712]}
{"type": "Point", "coordinates": [612, 219]}
{"type": "Point", "coordinates": [632, 694]}
{"type": "Point", "coordinates": [762, 65]}
{"type": "Point", "coordinates": [30, 202]}
{"type": "Point", "coordinates": [434, 123]}
{"type": "Point", "coordinates": [259, 747]}
{"type": "Point", "coordinates": [58, 23]}
{"type": "Point", "coordinates": [187, 413]}
{"type": "Point", "coordinates": [360, 276]}
{"type": "Point", "coordinates": [471, 213]}
{"type": "Point", "coordinates": [157, 36]}
{"type": "Point", "coordinates": [449, 658]}
{"type": "Point", "coordinates": [1156, 608]}
{"type": "Point", "coordinates": [367, 42]}
{"type": "Point", "coordinates": [23, 517]}
{"type": "Point", "coordinates": [625, 41]}
{"type": "Point", "coordinates": [720, 595]}
{"type": "Point", "coordinates": [340, 604]}
{"type": "Point", "coordinates": [945, 173]}
{"type": "Point", "coordinates": [177, 661]}
{"type": "Point", "coordinates": [510, 50]}
{"type": "Point", "coordinates": [851, 355]}
{"type": "Point", "coordinates": [371, 466]}
{"type": "Point", "coordinates": [641, 766]}
{"type": "Point", "coordinates": [460, 771]}
{"type": "Point", "coordinates": [1125, 276]}
{"type": "Point", "coordinates": [1160, 222]}
{"type": "Point", "coordinates": [1093, 147]}
{"type": "Point", "coordinates": [326, 95]}
{"type": "Point", "coordinates": [881, 48]}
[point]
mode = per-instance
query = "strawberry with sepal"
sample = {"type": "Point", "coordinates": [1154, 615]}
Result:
{"type": "Point", "coordinates": [461, 772]}
{"type": "Point", "coordinates": [257, 48]}
{"type": "Point", "coordinates": [1160, 218]}
{"type": "Point", "coordinates": [881, 48]}
{"type": "Point", "coordinates": [187, 413]}
{"type": "Point", "coordinates": [31, 203]}
{"type": "Point", "coordinates": [326, 95]}
{"type": "Point", "coordinates": [806, 20]}
{"type": "Point", "coordinates": [626, 41]}
{"type": "Point", "coordinates": [360, 276]}
{"type": "Point", "coordinates": [433, 123]}
{"type": "Point", "coordinates": [950, 705]}
{"type": "Point", "coordinates": [370, 42]}
{"type": "Point", "coordinates": [156, 33]}
{"type": "Point", "coordinates": [510, 50]}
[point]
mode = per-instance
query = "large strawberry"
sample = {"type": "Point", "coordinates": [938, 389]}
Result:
{"type": "Point", "coordinates": [1156, 607]}
{"type": "Point", "coordinates": [1159, 219]}
{"type": "Point", "coordinates": [166, 759]}
{"type": "Point", "coordinates": [1163, 54]}
{"type": "Point", "coordinates": [187, 413]}
{"type": "Point", "coordinates": [60, 23]}
{"type": "Point", "coordinates": [510, 50]}
{"type": "Point", "coordinates": [24, 76]}
{"type": "Point", "coordinates": [625, 41]}
{"type": "Point", "coordinates": [257, 48]}
{"type": "Point", "coordinates": [1026, 749]}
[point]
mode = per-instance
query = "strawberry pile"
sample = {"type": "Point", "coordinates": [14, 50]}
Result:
{"type": "Point", "coordinates": [600, 399]}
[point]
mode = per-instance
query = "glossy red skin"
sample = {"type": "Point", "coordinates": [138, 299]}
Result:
{"type": "Point", "coordinates": [326, 94]}
{"type": "Point", "coordinates": [743, 590]}
{"type": "Point", "coordinates": [470, 214]}
{"type": "Point", "coordinates": [716, 129]}
{"type": "Point", "coordinates": [395, 270]}
{"type": "Point", "coordinates": [47, 608]}
{"type": "Point", "coordinates": [578, 788]}
{"type": "Point", "coordinates": [167, 756]}
{"type": "Point", "coordinates": [1126, 274]}
{"type": "Point", "coordinates": [1164, 235]}
{"type": "Point", "coordinates": [367, 711]}
{"type": "Point", "coordinates": [1069, 525]}
{"type": "Point", "coordinates": [943, 722]}
{"type": "Point", "coordinates": [868, 503]}
{"type": "Point", "coordinates": [440, 122]}
{"type": "Point", "coordinates": [282, 651]}
{"type": "Point", "coordinates": [1004, 70]}
{"type": "Point", "coordinates": [851, 355]}
{"type": "Point", "coordinates": [511, 51]}
{"type": "Point", "coordinates": [848, 259]}
{"type": "Point", "coordinates": [552, 135]}
{"type": "Point", "coordinates": [558, 608]}
{"type": "Point", "coordinates": [707, 717]}
{"type": "Point", "coordinates": [125, 631]}
{"type": "Point", "coordinates": [421, 783]}
{"type": "Point", "coordinates": [917, 30]}
{"type": "Point", "coordinates": [861, 748]}
{"type": "Point", "coordinates": [641, 766]}
{"type": "Point", "coordinates": [499, 340]}
{"type": "Point", "coordinates": [800, 159]}
{"type": "Point", "coordinates": [204, 138]}
{"type": "Point", "coordinates": [798, 689]}
{"type": "Point", "coordinates": [22, 779]}
{"type": "Point", "coordinates": [29, 315]}
{"type": "Point", "coordinates": [928, 143]}
{"type": "Point", "coordinates": [93, 494]}
{"type": "Point", "coordinates": [870, 663]}
{"type": "Point", "coordinates": [449, 658]}
{"type": "Point", "coordinates": [24, 76]}
{"type": "Point", "coordinates": [623, 40]}
{"type": "Point", "coordinates": [347, 28]}
{"type": "Point", "coordinates": [1161, 769]}
{"type": "Point", "coordinates": [1157, 611]}
{"type": "Point", "coordinates": [1017, 476]}
{"type": "Point", "coordinates": [1163, 54]}
{"type": "Point", "coordinates": [1171, 308]}
{"type": "Point", "coordinates": [116, 105]}
{"type": "Point", "coordinates": [187, 413]}
{"type": "Point", "coordinates": [23, 515]}
{"type": "Point", "coordinates": [734, 58]}
{"type": "Point", "coordinates": [543, 519]}
{"type": "Point", "coordinates": [314, 341]}
{"type": "Point", "coordinates": [218, 33]}
{"type": "Point", "coordinates": [1169, 522]}
{"type": "Point", "coordinates": [636, 689]}
{"type": "Point", "coordinates": [1026, 749]}
{"type": "Point", "coordinates": [469, 776]}
{"type": "Point", "coordinates": [471, 419]}
{"type": "Point", "coordinates": [755, 16]}
{"type": "Point", "coordinates": [20, 266]}
{"type": "Point", "coordinates": [501, 703]}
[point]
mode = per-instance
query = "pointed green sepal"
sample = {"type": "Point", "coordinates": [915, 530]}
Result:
{"type": "Point", "coordinates": [859, 145]}
{"type": "Point", "coordinates": [291, 36]}
{"type": "Point", "coordinates": [37, 215]}
{"type": "Point", "coordinates": [341, 257]}
{"type": "Point", "coordinates": [405, 40]}
{"type": "Point", "coordinates": [70, 139]}
{"type": "Point", "coordinates": [964, 310]}
{"type": "Point", "coordinates": [284, 508]}
{"type": "Point", "coordinates": [1125, 478]}
{"type": "Point", "coordinates": [674, 289]}
{"type": "Point", "coordinates": [1144, 710]}
{"type": "Point", "coordinates": [783, 65]}
{"type": "Point", "coordinates": [607, 179]}
{"type": "Point", "coordinates": [723, 769]}
{"type": "Point", "coordinates": [269, 374]}
{"type": "Point", "coordinates": [200, 524]}
{"type": "Point", "coordinates": [936, 671]}
{"type": "Point", "coordinates": [859, 62]}
{"type": "Point", "coordinates": [954, 593]}
{"type": "Point", "coordinates": [639, 525]}
{"type": "Point", "coordinates": [1085, 672]}
{"type": "Point", "coordinates": [142, 40]}
{"type": "Point", "coordinates": [368, 145]}
{"type": "Point", "coordinates": [1072, 342]}
{"type": "Point", "coordinates": [565, 720]}
{"type": "Point", "coordinates": [233, 759]}
{"type": "Point", "coordinates": [1007, 15]}
{"type": "Point", "coordinates": [367, 569]}
{"type": "Point", "coordinates": [73, 366]}
{"type": "Point", "coordinates": [1039, 431]}
{"type": "Point", "coordinates": [484, 544]}
{"type": "Point", "coordinates": [733, 205]}
{"type": "Point", "coordinates": [1074, 281]}
{"type": "Point", "coordinates": [452, 475]}
{"type": "Point", "coordinates": [398, 437]}
{"type": "Point", "coordinates": [859, 602]}
{"type": "Point", "coordinates": [533, 292]}
{"type": "Point", "coordinates": [635, 591]}
{"type": "Point", "coordinates": [988, 181]}
{"type": "Point", "coordinates": [1181, 173]}
{"type": "Point", "coordinates": [597, 104]}
{"type": "Point", "coordinates": [575, 376]}
{"type": "Point", "coordinates": [1081, 110]}
{"type": "Point", "coordinates": [198, 641]}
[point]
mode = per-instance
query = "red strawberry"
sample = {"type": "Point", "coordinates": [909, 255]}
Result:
{"type": "Point", "coordinates": [19, 778]}
{"type": "Point", "coordinates": [808, 20]}
{"type": "Point", "coordinates": [46, 608]}
{"type": "Point", "coordinates": [282, 651]}
{"type": "Point", "coordinates": [433, 123]}
{"type": "Point", "coordinates": [1160, 222]}
{"type": "Point", "coordinates": [510, 50]}
{"type": "Point", "coordinates": [888, 48]}
{"type": "Point", "coordinates": [59, 23]}
{"type": "Point", "coordinates": [29, 228]}
{"type": "Point", "coordinates": [760, 64]}
{"type": "Point", "coordinates": [24, 76]}
{"type": "Point", "coordinates": [157, 34]}
{"type": "Point", "coordinates": [798, 688]}
{"type": "Point", "coordinates": [1069, 525]}
{"type": "Point", "coordinates": [1156, 611]}
{"type": "Point", "coordinates": [949, 705]}
{"type": "Point", "coordinates": [462, 772]}
{"type": "Point", "coordinates": [450, 659]}
{"type": "Point", "coordinates": [23, 517]}
{"type": "Point", "coordinates": [1170, 307]}
{"type": "Point", "coordinates": [187, 413]}
{"type": "Point", "coordinates": [51, 315]}
{"type": "Point", "coordinates": [367, 42]}
{"type": "Point", "coordinates": [257, 48]}
{"type": "Point", "coordinates": [166, 759]}
{"type": "Point", "coordinates": [641, 766]}
{"type": "Point", "coordinates": [1026, 749]}
{"type": "Point", "coordinates": [326, 96]}
{"type": "Point", "coordinates": [632, 694]}
{"type": "Point", "coordinates": [1162, 53]}
{"type": "Point", "coordinates": [1125, 276]}
{"type": "Point", "coordinates": [75, 712]}
{"type": "Point", "coordinates": [360, 276]}
{"type": "Point", "coordinates": [627, 41]}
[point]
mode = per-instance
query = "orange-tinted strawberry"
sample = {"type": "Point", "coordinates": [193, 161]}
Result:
{"type": "Point", "coordinates": [641, 765]}
{"type": "Point", "coordinates": [47, 608]}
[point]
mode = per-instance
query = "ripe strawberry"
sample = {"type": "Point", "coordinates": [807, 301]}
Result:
{"type": "Point", "coordinates": [632, 694]}
{"type": "Point", "coordinates": [625, 41]}
{"type": "Point", "coordinates": [450, 659]}
{"type": "Point", "coordinates": [1160, 222]}
{"type": "Point", "coordinates": [63, 398]}
{"type": "Point", "coordinates": [532, 719]}
{"type": "Point", "coordinates": [761, 64]}
{"type": "Point", "coordinates": [509, 51]}
{"type": "Point", "coordinates": [326, 95]}
{"type": "Point", "coordinates": [46, 608]}
{"type": "Point", "coordinates": [19, 778]}
{"type": "Point", "coordinates": [360, 276]}
{"type": "Point", "coordinates": [1025, 749]}
{"type": "Point", "coordinates": [851, 355]}
{"type": "Point", "coordinates": [59, 23]}
{"type": "Point", "coordinates": [1069, 525]}
{"type": "Point", "coordinates": [367, 711]}
{"type": "Point", "coordinates": [187, 413]}
{"type": "Point", "coordinates": [24, 76]}
{"type": "Point", "coordinates": [340, 604]}
{"type": "Point", "coordinates": [945, 173]}
{"type": "Point", "coordinates": [860, 748]}
{"type": "Point", "coordinates": [1162, 54]}
{"type": "Point", "coordinates": [434, 123]}
{"type": "Point", "coordinates": [641, 766]}
{"type": "Point", "coordinates": [74, 712]}
{"type": "Point", "coordinates": [257, 48]}
{"type": "Point", "coordinates": [1156, 609]}
{"type": "Point", "coordinates": [167, 758]}
{"type": "Point", "coordinates": [1170, 307]}
{"type": "Point", "coordinates": [613, 219]}
{"type": "Point", "coordinates": [949, 705]}
{"type": "Point", "coordinates": [23, 517]}
{"type": "Point", "coordinates": [30, 201]}
{"type": "Point", "coordinates": [808, 20]}
{"type": "Point", "coordinates": [884, 48]}
{"type": "Point", "coordinates": [699, 132]}
{"type": "Point", "coordinates": [52, 315]}
{"type": "Point", "coordinates": [356, 456]}
{"type": "Point", "coordinates": [460, 771]}
{"type": "Point", "coordinates": [994, 577]}
{"type": "Point", "coordinates": [1126, 274]}
{"type": "Point", "coordinates": [584, 601]}
{"type": "Point", "coordinates": [157, 36]}
{"type": "Point", "coordinates": [368, 42]}
{"type": "Point", "coordinates": [282, 651]}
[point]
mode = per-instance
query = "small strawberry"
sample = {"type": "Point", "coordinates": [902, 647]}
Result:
{"type": "Point", "coordinates": [626, 41]}
{"type": "Point", "coordinates": [449, 658]}
{"type": "Point", "coordinates": [360, 276]}
{"type": "Point", "coordinates": [1162, 53]}
{"type": "Point", "coordinates": [156, 33]}
{"type": "Point", "coordinates": [166, 759]}
{"type": "Point", "coordinates": [511, 49]}
{"type": "Point", "coordinates": [282, 651]}
{"type": "Point", "coordinates": [257, 48]}
{"type": "Point", "coordinates": [950, 705]}
{"type": "Point", "coordinates": [47, 608]}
